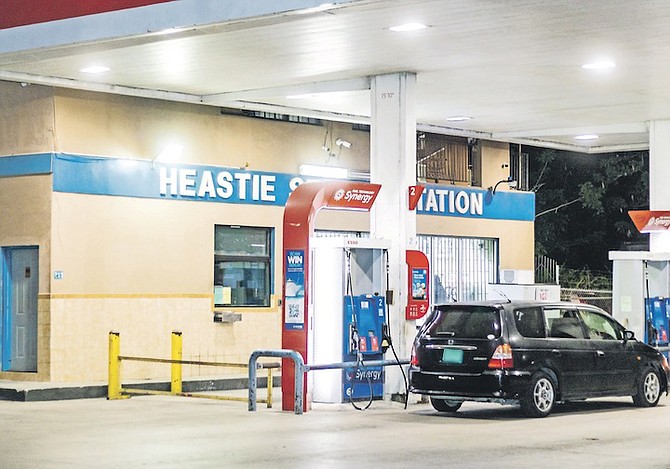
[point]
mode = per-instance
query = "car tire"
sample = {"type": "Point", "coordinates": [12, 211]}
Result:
{"type": "Point", "coordinates": [648, 388]}
{"type": "Point", "coordinates": [540, 396]}
{"type": "Point", "coordinates": [443, 405]}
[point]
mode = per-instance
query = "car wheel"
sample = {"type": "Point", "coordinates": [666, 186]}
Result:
{"type": "Point", "coordinates": [540, 396]}
{"type": "Point", "coordinates": [443, 405]}
{"type": "Point", "coordinates": [648, 389]}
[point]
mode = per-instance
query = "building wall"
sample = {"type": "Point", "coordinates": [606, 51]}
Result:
{"type": "Point", "coordinates": [26, 119]}
{"type": "Point", "coordinates": [144, 267]}
{"type": "Point", "coordinates": [495, 167]}
{"type": "Point", "coordinates": [127, 127]}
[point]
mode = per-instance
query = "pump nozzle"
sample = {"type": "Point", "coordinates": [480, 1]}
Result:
{"type": "Point", "coordinates": [353, 339]}
{"type": "Point", "coordinates": [386, 338]}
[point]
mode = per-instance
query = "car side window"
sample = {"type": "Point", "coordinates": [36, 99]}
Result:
{"type": "Point", "coordinates": [601, 327]}
{"type": "Point", "coordinates": [529, 322]}
{"type": "Point", "coordinates": [563, 323]}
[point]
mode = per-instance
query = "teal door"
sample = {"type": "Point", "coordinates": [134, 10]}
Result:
{"type": "Point", "coordinates": [19, 301]}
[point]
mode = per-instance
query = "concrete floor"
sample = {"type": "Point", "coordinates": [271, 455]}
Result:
{"type": "Point", "coordinates": [170, 432]}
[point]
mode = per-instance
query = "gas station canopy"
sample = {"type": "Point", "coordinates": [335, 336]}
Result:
{"type": "Point", "coordinates": [548, 74]}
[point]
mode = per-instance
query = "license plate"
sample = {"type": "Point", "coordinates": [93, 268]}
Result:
{"type": "Point", "coordinates": [452, 356]}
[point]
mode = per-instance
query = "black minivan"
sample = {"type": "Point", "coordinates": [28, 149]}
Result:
{"type": "Point", "coordinates": [531, 353]}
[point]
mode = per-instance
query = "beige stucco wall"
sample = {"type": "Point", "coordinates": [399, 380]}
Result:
{"type": "Point", "coordinates": [144, 267]}
{"type": "Point", "coordinates": [26, 119]}
{"type": "Point", "coordinates": [495, 164]}
{"type": "Point", "coordinates": [120, 126]}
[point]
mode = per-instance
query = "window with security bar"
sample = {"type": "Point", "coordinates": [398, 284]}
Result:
{"type": "Point", "coordinates": [519, 167]}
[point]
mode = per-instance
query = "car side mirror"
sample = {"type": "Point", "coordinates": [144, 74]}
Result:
{"type": "Point", "coordinates": [628, 335]}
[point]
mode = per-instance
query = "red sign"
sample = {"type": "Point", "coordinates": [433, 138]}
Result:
{"type": "Point", "coordinates": [351, 195]}
{"type": "Point", "coordinates": [648, 221]}
{"type": "Point", "coordinates": [21, 13]}
{"type": "Point", "coordinates": [418, 274]}
{"type": "Point", "coordinates": [414, 195]}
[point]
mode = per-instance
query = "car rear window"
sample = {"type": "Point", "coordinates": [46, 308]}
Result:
{"type": "Point", "coordinates": [466, 322]}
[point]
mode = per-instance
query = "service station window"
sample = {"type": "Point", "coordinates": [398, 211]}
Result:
{"type": "Point", "coordinates": [241, 266]}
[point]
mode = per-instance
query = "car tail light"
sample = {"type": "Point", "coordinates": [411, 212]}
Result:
{"type": "Point", "coordinates": [414, 360]}
{"type": "Point", "coordinates": [502, 358]}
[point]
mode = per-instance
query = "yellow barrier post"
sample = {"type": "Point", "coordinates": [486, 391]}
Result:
{"type": "Point", "coordinates": [114, 386]}
{"type": "Point", "coordinates": [269, 385]}
{"type": "Point", "coordinates": [175, 386]}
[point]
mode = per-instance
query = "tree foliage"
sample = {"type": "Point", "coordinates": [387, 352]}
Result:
{"type": "Point", "coordinates": [582, 204]}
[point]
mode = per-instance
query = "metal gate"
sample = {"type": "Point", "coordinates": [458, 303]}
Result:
{"type": "Point", "coordinates": [460, 267]}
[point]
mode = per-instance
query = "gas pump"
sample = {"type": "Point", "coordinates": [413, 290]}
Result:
{"type": "Point", "coordinates": [641, 294]}
{"type": "Point", "coordinates": [656, 330]}
{"type": "Point", "coordinates": [641, 284]}
{"type": "Point", "coordinates": [364, 320]}
{"type": "Point", "coordinates": [347, 311]}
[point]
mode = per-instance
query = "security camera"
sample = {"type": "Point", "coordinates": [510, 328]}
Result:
{"type": "Point", "coordinates": [342, 143]}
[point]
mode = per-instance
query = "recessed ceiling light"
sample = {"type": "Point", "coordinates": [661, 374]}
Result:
{"type": "Point", "coordinates": [400, 28]}
{"type": "Point", "coordinates": [599, 65]}
{"type": "Point", "coordinates": [586, 137]}
{"type": "Point", "coordinates": [458, 118]}
{"type": "Point", "coordinates": [93, 69]}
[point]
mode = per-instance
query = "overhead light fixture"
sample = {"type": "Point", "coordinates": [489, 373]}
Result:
{"type": "Point", "coordinates": [458, 118]}
{"type": "Point", "coordinates": [95, 69]}
{"type": "Point", "coordinates": [599, 65]}
{"type": "Point", "coordinates": [342, 143]}
{"type": "Point", "coordinates": [401, 28]}
{"type": "Point", "coordinates": [325, 172]}
{"type": "Point", "coordinates": [587, 137]}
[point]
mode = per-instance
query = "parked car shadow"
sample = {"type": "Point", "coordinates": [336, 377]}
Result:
{"type": "Point", "coordinates": [475, 411]}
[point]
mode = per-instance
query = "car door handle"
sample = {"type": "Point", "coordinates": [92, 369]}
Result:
{"type": "Point", "coordinates": [600, 353]}
{"type": "Point", "coordinates": [556, 351]}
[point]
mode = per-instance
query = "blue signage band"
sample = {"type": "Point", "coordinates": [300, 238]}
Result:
{"type": "Point", "coordinates": [148, 179]}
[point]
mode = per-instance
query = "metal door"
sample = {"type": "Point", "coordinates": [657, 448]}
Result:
{"type": "Point", "coordinates": [20, 288]}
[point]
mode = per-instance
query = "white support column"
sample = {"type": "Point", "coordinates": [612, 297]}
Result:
{"type": "Point", "coordinates": [393, 165]}
{"type": "Point", "coordinates": [659, 175]}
